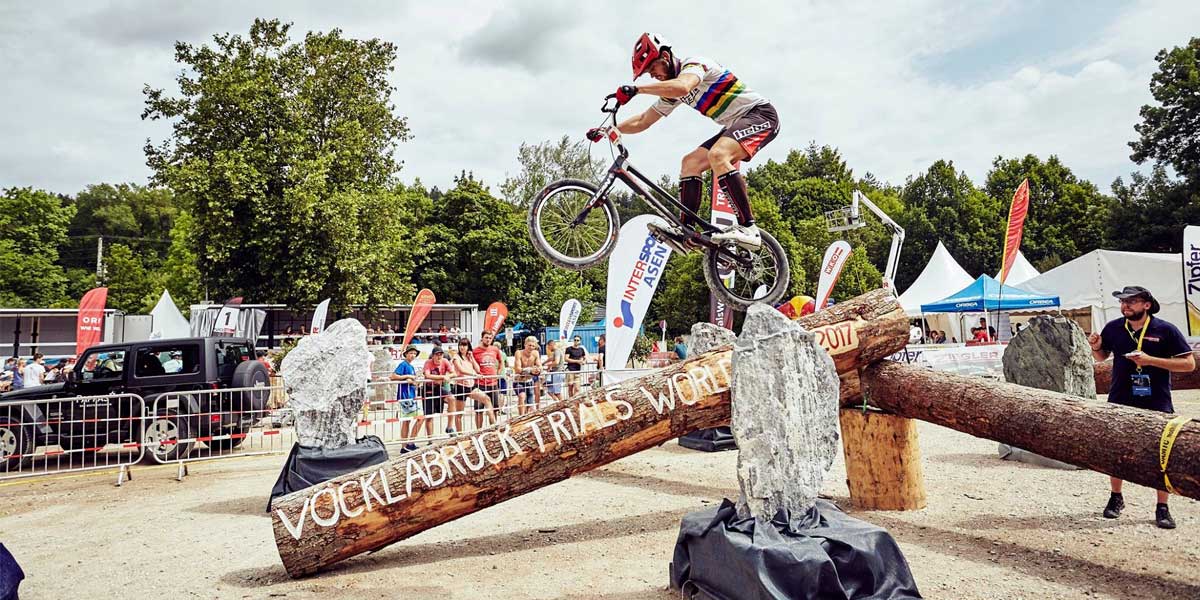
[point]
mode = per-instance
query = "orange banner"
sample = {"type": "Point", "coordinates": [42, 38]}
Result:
{"type": "Point", "coordinates": [1016, 227]}
{"type": "Point", "coordinates": [420, 309]}
{"type": "Point", "coordinates": [90, 323]}
{"type": "Point", "coordinates": [494, 318]}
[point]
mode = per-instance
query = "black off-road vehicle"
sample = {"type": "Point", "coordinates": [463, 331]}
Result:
{"type": "Point", "coordinates": [174, 377]}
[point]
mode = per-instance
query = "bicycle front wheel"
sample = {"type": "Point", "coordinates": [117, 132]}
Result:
{"type": "Point", "coordinates": [568, 229]}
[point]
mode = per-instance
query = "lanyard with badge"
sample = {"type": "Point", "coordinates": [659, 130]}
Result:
{"type": "Point", "coordinates": [1140, 382]}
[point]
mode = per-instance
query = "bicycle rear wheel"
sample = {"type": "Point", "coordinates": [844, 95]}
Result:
{"type": "Point", "coordinates": [559, 238]}
{"type": "Point", "coordinates": [767, 267]}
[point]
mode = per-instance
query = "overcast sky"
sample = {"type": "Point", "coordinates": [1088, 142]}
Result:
{"type": "Point", "coordinates": [894, 84]}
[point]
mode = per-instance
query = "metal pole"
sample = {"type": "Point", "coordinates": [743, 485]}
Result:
{"type": "Point", "coordinates": [99, 260]}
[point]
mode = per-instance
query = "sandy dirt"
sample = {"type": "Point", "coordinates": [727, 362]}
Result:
{"type": "Point", "coordinates": [993, 529]}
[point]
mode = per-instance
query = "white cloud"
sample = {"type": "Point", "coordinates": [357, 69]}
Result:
{"type": "Point", "coordinates": [477, 79]}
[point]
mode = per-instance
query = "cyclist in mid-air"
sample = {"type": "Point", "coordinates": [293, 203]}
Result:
{"type": "Point", "coordinates": [748, 123]}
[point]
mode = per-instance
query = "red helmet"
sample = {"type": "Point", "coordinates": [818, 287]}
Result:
{"type": "Point", "coordinates": [646, 50]}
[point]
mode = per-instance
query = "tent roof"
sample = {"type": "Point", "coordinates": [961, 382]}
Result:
{"type": "Point", "coordinates": [1021, 272]}
{"type": "Point", "coordinates": [1089, 281]}
{"type": "Point", "coordinates": [168, 321]}
{"type": "Point", "coordinates": [941, 275]}
{"type": "Point", "coordinates": [986, 293]}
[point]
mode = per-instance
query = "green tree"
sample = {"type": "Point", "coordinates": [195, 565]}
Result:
{"type": "Point", "coordinates": [1170, 131]}
{"type": "Point", "coordinates": [34, 223]}
{"type": "Point", "coordinates": [547, 162]}
{"type": "Point", "coordinates": [477, 247]}
{"type": "Point", "coordinates": [130, 287]}
{"type": "Point", "coordinates": [943, 204]}
{"type": "Point", "coordinates": [806, 184]}
{"type": "Point", "coordinates": [179, 273]}
{"type": "Point", "coordinates": [137, 216]}
{"type": "Point", "coordinates": [1067, 216]}
{"type": "Point", "coordinates": [1150, 212]}
{"type": "Point", "coordinates": [283, 152]}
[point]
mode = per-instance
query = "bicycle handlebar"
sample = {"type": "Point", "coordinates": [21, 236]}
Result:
{"type": "Point", "coordinates": [616, 106]}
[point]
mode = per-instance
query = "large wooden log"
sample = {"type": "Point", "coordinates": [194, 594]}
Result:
{"type": "Point", "coordinates": [1179, 381]}
{"type": "Point", "coordinates": [372, 508]}
{"type": "Point", "coordinates": [1120, 441]}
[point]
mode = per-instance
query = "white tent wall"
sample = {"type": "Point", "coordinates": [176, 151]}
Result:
{"type": "Point", "coordinates": [941, 277]}
{"type": "Point", "coordinates": [1089, 281]}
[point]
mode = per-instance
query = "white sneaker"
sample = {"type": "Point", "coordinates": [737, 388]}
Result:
{"type": "Point", "coordinates": [746, 236]}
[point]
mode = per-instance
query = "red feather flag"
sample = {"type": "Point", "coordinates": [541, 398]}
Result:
{"type": "Point", "coordinates": [420, 309]}
{"type": "Point", "coordinates": [494, 318]}
{"type": "Point", "coordinates": [89, 325]}
{"type": "Point", "coordinates": [1016, 227]}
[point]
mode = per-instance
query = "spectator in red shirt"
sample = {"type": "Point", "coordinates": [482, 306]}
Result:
{"type": "Point", "coordinates": [491, 361]}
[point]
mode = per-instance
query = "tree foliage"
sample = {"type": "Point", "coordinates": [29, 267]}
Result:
{"type": "Point", "coordinates": [1170, 131]}
{"type": "Point", "coordinates": [34, 225]}
{"type": "Point", "coordinates": [130, 287]}
{"type": "Point", "coordinates": [283, 152]}
{"type": "Point", "coordinates": [546, 162]}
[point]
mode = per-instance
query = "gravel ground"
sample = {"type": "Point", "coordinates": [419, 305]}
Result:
{"type": "Point", "coordinates": [993, 529]}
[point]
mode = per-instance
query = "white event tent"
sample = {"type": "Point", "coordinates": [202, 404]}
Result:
{"type": "Point", "coordinates": [168, 321]}
{"type": "Point", "coordinates": [1085, 285]}
{"type": "Point", "coordinates": [1021, 271]}
{"type": "Point", "coordinates": [941, 277]}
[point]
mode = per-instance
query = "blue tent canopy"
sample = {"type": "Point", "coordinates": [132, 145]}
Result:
{"type": "Point", "coordinates": [987, 294]}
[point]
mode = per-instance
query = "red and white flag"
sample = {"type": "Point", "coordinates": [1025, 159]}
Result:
{"type": "Point", "coordinates": [420, 309]}
{"type": "Point", "coordinates": [1016, 227]}
{"type": "Point", "coordinates": [89, 325]}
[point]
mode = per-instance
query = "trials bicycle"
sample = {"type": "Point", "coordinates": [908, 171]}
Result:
{"type": "Point", "coordinates": [574, 224]}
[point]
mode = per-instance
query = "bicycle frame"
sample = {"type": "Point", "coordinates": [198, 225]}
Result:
{"type": "Point", "coordinates": [664, 204]}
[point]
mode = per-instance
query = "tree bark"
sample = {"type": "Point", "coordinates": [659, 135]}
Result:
{"type": "Point", "coordinates": [1116, 440]}
{"type": "Point", "coordinates": [1179, 381]}
{"type": "Point", "coordinates": [883, 460]}
{"type": "Point", "coordinates": [372, 508]}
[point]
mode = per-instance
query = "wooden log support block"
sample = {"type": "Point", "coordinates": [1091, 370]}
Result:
{"type": "Point", "coordinates": [369, 509]}
{"type": "Point", "coordinates": [883, 460]}
{"type": "Point", "coordinates": [1115, 440]}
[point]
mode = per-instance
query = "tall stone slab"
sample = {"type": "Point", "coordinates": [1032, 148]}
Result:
{"type": "Point", "coordinates": [784, 414]}
{"type": "Point", "coordinates": [326, 377]}
{"type": "Point", "coordinates": [1051, 353]}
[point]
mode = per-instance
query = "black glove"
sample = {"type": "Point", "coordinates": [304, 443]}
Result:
{"type": "Point", "coordinates": [626, 93]}
{"type": "Point", "coordinates": [596, 134]}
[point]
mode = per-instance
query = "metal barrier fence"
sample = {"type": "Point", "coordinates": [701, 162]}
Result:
{"type": "Point", "coordinates": [196, 425]}
{"type": "Point", "coordinates": [40, 437]}
{"type": "Point", "coordinates": [63, 435]}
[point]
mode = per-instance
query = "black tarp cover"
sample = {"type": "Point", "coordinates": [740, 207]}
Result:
{"type": "Point", "coordinates": [10, 575]}
{"type": "Point", "coordinates": [825, 554]}
{"type": "Point", "coordinates": [713, 439]}
{"type": "Point", "coordinates": [306, 467]}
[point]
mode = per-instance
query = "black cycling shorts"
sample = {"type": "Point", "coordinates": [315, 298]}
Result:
{"type": "Point", "coordinates": [753, 130]}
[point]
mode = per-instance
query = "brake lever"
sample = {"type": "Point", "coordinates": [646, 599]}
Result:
{"type": "Point", "coordinates": [616, 105]}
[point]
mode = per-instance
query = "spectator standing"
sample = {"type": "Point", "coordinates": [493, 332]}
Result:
{"type": "Point", "coordinates": [552, 371]}
{"type": "Point", "coordinates": [527, 367]}
{"type": "Point", "coordinates": [18, 374]}
{"type": "Point", "coordinates": [437, 381]}
{"type": "Point", "coordinates": [406, 395]}
{"type": "Point", "coordinates": [261, 356]}
{"type": "Point", "coordinates": [444, 334]}
{"type": "Point", "coordinates": [576, 355]}
{"type": "Point", "coordinates": [35, 371]}
{"type": "Point", "coordinates": [491, 363]}
{"type": "Point", "coordinates": [466, 385]}
{"type": "Point", "coordinates": [680, 348]}
{"type": "Point", "coordinates": [1145, 352]}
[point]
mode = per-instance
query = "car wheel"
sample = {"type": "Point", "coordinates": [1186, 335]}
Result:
{"type": "Point", "coordinates": [16, 446]}
{"type": "Point", "coordinates": [163, 435]}
{"type": "Point", "coordinates": [254, 375]}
